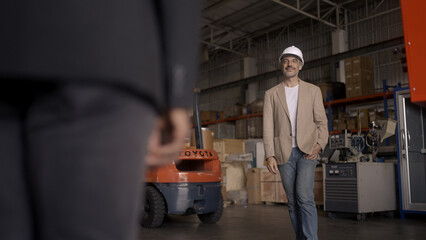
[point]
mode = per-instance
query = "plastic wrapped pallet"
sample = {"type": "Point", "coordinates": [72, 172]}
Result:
{"type": "Point", "coordinates": [256, 106]}
{"type": "Point", "coordinates": [240, 157]}
{"type": "Point", "coordinates": [224, 147]}
{"type": "Point", "coordinates": [255, 127]}
{"type": "Point", "coordinates": [223, 130]}
{"type": "Point", "coordinates": [255, 146]}
{"type": "Point", "coordinates": [232, 111]}
{"type": "Point", "coordinates": [239, 197]}
{"type": "Point", "coordinates": [241, 128]}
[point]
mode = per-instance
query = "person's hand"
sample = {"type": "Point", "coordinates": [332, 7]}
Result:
{"type": "Point", "coordinates": [272, 165]}
{"type": "Point", "coordinates": [314, 154]}
{"type": "Point", "coordinates": [167, 137]}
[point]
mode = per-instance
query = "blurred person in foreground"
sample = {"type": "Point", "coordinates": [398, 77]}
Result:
{"type": "Point", "coordinates": [81, 86]}
{"type": "Point", "coordinates": [294, 132]}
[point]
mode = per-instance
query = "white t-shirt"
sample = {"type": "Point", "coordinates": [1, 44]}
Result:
{"type": "Point", "coordinates": [292, 96]}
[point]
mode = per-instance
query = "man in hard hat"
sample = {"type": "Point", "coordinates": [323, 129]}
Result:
{"type": "Point", "coordinates": [294, 132]}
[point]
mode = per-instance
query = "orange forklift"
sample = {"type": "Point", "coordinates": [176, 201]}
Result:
{"type": "Point", "coordinates": [191, 186]}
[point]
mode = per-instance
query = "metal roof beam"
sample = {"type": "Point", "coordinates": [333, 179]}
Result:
{"type": "Point", "coordinates": [216, 5]}
{"type": "Point", "coordinates": [251, 6]}
{"type": "Point", "coordinates": [224, 48]}
{"type": "Point", "coordinates": [236, 32]}
{"type": "Point", "coordinates": [306, 5]}
{"type": "Point", "coordinates": [328, 12]}
{"type": "Point", "coordinates": [305, 13]}
{"type": "Point", "coordinates": [330, 2]}
{"type": "Point", "coordinates": [376, 15]}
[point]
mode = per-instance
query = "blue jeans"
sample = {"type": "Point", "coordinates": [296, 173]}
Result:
{"type": "Point", "coordinates": [297, 176]}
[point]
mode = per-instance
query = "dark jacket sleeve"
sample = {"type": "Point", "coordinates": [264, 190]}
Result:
{"type": "Point", "coordinates": [179, 24]}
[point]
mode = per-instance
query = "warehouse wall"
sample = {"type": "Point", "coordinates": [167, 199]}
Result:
{"type": "Point", "coordinates": [314, 39]}
{"type": "Point", "coordinates": [388, 26]}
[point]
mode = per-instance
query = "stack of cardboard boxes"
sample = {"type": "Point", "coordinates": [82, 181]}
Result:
{"type": "Point", "coordinates": [263, 186]}
{"type": "Point", "coordinates": [359, 74]}
{"type": "Point", "coordinates": [209, 116]}
{"type": "Point", "coordinates": [361, 119]}
{"type": "Point", "coordinates": [271, 188]}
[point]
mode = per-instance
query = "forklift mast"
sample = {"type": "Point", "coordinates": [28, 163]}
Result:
{"type": "Point", "coordinates": [196, 120]}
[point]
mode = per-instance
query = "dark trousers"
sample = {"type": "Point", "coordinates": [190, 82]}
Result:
{"type": "Point", "coordinates": [70, 161]}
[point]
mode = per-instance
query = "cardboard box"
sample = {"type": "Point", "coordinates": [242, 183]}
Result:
{"type": "Point", "coordinates": [253, 186]}
{"type": "Point", "coordinates": [223, 190]}
{"type": "Point", "coordinates": [319, 186]}
{"type": "Point", "coordinates": [359, 76]}
{"type": "Point", "coordinates": [208, 116]}
{"type": "Point", "coordinates": [224, 147]}
{"type": "Point", "coordinates": [207, 138]}
{"type": "Point", "coordinates": [334, 124]}
{"type": "Point", "coordinates": [266, 176]}
{"type": "Point", "coordinates": [348, 65]}
{"type": "Point", "coordinates": [359, 83]}
{"type": "Point", "coordinates": [319, 192]}
{"type": "Point", "coordinates": [268, 191]}
{"type": "Point", "coordinates": [281, 196]}
{"type": "Point", "coordinates": [362, 63]}
{"type": "Point", "coordinates": [223, 182]}
{"type": "Point", "coordinates": [362, 118]}
{"type": "Point", "coordinates": [224, 130]}
{"type": "Point", "coordinates": [373, 115]}
{"type": "Point", "coordinates": [341, 125]}
{"type": "Point", "coordinates": [358, 63]}
{"type": "Point", "coordinates": [349, 90]}
{"type": "Point", "coordinates": [351, 123]}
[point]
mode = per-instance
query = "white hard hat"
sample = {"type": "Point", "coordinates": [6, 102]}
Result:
{"type": "Point", "coordinates": [292, 51]}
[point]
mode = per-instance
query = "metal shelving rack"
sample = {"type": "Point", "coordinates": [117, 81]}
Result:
{"type": "Point", "coordinates": [329, 104]}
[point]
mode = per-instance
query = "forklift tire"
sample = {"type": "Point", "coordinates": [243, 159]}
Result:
{"type": "Point", "coordinates": [154, 208]}
{"type": "Point", "coordinates": [215, 216]}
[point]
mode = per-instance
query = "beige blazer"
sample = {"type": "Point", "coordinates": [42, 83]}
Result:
{"type": "Point", "coordinates": [311, 127]}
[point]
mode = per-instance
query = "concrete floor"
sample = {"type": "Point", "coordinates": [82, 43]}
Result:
{"type": "Point", "coordinates": [269, 222]}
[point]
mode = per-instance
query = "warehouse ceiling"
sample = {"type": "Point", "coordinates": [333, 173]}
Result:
{"type": "Point", "coordinates": [228, 24]}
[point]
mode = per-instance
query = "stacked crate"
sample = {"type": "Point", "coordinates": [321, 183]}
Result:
{"type": "Point", "coordinates": [271, 188]}
{"type": "Point", "coordinates": [253, 186]}
{"type": "Point", "coordinates": [359, 75]}
{"type": "Point", "coordinates": [224, 147]}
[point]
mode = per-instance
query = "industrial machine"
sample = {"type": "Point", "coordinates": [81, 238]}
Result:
{"type": "Point", "coordinates": [359, 183]}
{"type": "Point", "coordinates": [359, 187]}
{"type": "Point", "coordinates": [191, 185]}
{"type": "Point", "coordinates": [364, 148]}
